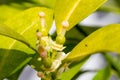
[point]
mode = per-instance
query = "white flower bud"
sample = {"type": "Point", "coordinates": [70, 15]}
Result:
{"type": "Point", "coordinates": [41, 14]}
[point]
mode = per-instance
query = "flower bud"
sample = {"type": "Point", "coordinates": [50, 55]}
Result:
{"type": "Point", "coordinates": [42, 52]}
{"type": "Point", "coordinates": [60, 39]}
{"type": "Point", "coordinates": [40, 74]}
{"type": "Point", "coordinates": [42, 14]}
{"type": "Point", "coordinates": [65, 24]}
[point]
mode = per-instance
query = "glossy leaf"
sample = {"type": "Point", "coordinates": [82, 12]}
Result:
{"type": "Point", "coordinates": [71, 72]}
{"type": "Point", "coordinates": [15, 55]}
{"type": "Point", "coordinates": [74, 11]}
{"type": "Point", "coordinates": [6, 31]}
{"type": "Point", "coordinates": [16, 75]}
{"type": "Point", "coordinates": [73, 37]}
{"type": "Point", "coordinates": [103, 74]}
{"type": "Point", "coordinates": [4, 9]}
{"type": "Point", "coordinates": [71, 41]}
{"type": "Point", "coordinates": [10, 59]}
{"type": "Point", "coordinates": [26, 24]}
{"type": "Point", "coordinates": [114, 8]}
{"type": "Point", "coordinates": [76, 34]}
{"type": "Point", "coordinates": [10, 8]}
{"type": "Point", "coordinates": [103, 39]}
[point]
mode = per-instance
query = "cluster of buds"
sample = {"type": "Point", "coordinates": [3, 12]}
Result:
{"type": "Point", "coordinates": [46, 47]}
{"type": "Point", "coordinates": [60, 39]}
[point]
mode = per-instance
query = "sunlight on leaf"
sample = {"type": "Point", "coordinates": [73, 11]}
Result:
{"type": "Point", "coordinates": [6, 31]}
{"type": "Point", "coordinates": [7, 12]}
{"type": "Point", "coordinates": [74, 11]}
{"type": "Point", "coordinates": [72, 71]}
{"type": "Point", "coordinates": [26, 24]}
{"type": "Point", "coordinates": [15, 54]}
{"type": "Point", "coordinates": [103, 39]}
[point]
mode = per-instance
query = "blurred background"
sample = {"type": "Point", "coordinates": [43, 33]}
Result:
{"type": "Point", "coordinates": [96, 61]}
{"type": "Point", "coordinates": [108, 13]}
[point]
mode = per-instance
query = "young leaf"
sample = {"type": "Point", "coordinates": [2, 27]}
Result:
{"type": "Point", "coordinates": [10, 8]}
{"type": "Point", "coordinates": [71, 72]}
{"type": "Point", "coordinates": [6, 31]}
{"type": "Point", "coordinates": [11, 61]}
{"type": "Point", "coordinates": [48, 3]}
{"type": "Point", "coordinates": [4, 9]}
{"type": "Point", "coordinates": [26, 24]}
{"type": "Point", "coordinates": [114, 8]}
{"type": "Point", "coordinates": [103, 39]}
{"type": "Point", "coordinates": [74, 11]}
{"type": "Point", "coordinates": [76, 34]}
{"type": "Point", "coordinates": [103, 74]}
{"type": "Point", "coordinates": [15, 54]}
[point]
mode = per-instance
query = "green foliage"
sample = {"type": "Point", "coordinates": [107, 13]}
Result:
{"type": "Point", "coordinates": [19, 44]}
{"type": "Point", "coordinates": [115, 62]}
{"type": "Point", "coordinates": [13, 50]}
{"type": "Point", "coordinates": [27, 27]}
{"type": "Point", "coordinates": [100, 40]}
{"type": "Point", "coordinates": [4, 15]}
{"type": "Point", "coordinates": [6, 31]}
{"type": "Point", "coordinates": [75, 12]}
{"type": "Point", "coordinates": [69, 74]}
{"type": "Point", "coordinates": [16, 75]}
{"type": "Point", "coordinates": [103, 74]}
{"type": "Point", "coordinates": [11, 61]}
{"type": "Point", "coordinates": [115, 8]}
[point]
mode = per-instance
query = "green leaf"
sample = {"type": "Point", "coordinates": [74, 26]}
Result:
{"type": "Point", "coordinates": [88, 29]}
{"type": "Point", "coordinates": [10, 59]}
{"type": "Point", "coordinates": [76, 34]}
{"type": "Point", "coordinates": [103, 39]}
{"type": "Point", "coordinates": [16, 75]}
{"type": "Point", "coordinates": [36, 62]}
{"type": "Point", "coordinates": [48, 3]}
{"type": "Point", "coordinates": [10, 8]}
{"type": "Point", "coordinates": [26, 24]}
{"type": "Point", "coordinates": [114, 8]}
{"type": "Point", "coordinates": [69, 74]}
{"type": "Point", "coordinates": [103, 74]}
{"type": "Point", "coordinates": [74, 11]}
{"type": "Point", "coordinates": [4, 9]}
{"type": "Point", "coordinates": [16, 54]}
{"type": "Point", "coordinates": [6, 31]}
{"type": "Point", "coordinates": [114, 61]}
{"type": "Point", "coordinates": [72, 40]}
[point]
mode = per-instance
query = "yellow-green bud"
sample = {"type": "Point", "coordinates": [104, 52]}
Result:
{"type": "Point", "coordinates": [44, 32]}
{"type": "Point", "coordinates": [60, 39]}
{"type": "Point", "coordinates": [47, 62]}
